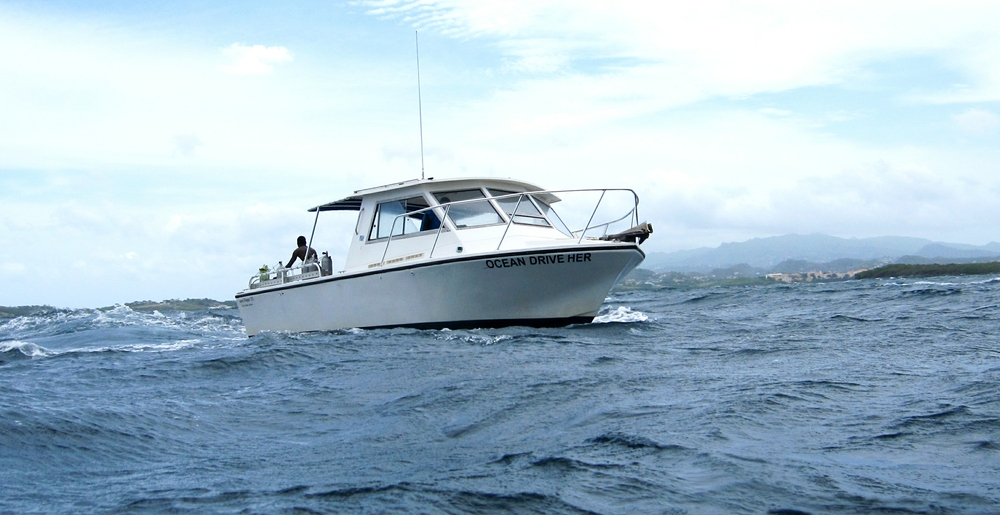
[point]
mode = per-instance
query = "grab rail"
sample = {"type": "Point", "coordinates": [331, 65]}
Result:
{"type": "Point", "coordinates": [284, 274]}
{"type": "Point", "coordinates": [510, 219]}
{"type": "Point", "coordinates": [634, 212]}
{"type": "Point", "coordinates": [594, 213]}
{"type": "Point", "coordinates": [608, 224]}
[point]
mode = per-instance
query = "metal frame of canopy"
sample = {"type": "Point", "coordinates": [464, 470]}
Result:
{"type": "Point", "coordinates": [344, 204]}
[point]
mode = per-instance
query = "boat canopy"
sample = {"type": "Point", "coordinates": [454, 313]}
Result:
{"type": "Point", "coordinates": [353, 203]}
{"type": "Point", "coordinates": [344, 204]}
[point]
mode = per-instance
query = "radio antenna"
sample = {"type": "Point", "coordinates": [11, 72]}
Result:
{"type": "Point", "coordinates": [420, 107]}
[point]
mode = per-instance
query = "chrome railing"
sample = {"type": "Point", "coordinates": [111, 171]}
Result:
{"type": "Point", "coordinates": [632, 214]}
{"type": "Point", "coordinates": [282, 275]}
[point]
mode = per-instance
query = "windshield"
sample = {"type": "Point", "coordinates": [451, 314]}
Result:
{"type": "Point", "coordinates": [527, 213]}
{"type": "Point", "coordinates": [553, 217]}
{"type": "Point", "coordinates": [469, 214]}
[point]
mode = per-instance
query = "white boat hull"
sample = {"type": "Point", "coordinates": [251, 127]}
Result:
{"type": "Point", "coordinates": [538, 287]}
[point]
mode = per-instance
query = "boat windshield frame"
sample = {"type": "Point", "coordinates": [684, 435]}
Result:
{"type": "Point", "coordinates": [632, 213]}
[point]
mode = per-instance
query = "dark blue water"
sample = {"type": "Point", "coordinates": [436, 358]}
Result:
{"type": "Point", "coordinates": [848, 397]}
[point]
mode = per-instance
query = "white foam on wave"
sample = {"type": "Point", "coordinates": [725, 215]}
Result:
{"type": "Point", "coordinates": [483, 339]}
{"type": "Point", "coordinates": [30, 322]}
{"type": "Point", "coordinates": [621, 315]}
{"type": "Point", "coordinates": [472, 336]}
{"type": "Point", "coordinates": [29, 349]}
{"type": "Point", "coordinates": [900, 282]}
{"type": "Point", "coordinates": [143, 347]}
{"type": "Point", "coordinates": [174, 332]}
{"type": "Point", "coordinates": [33, 350]}
{"type": "Point", "coordinates": [122, 315]}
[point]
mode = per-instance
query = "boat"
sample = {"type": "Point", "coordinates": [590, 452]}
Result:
{"type": "Point", "coordinates": [456, 253]}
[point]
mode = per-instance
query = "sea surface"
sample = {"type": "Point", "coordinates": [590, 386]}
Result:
{"type": "Point", "coordinates": [847, 397]}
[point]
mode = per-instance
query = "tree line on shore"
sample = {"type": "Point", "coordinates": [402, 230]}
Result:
{"type": "Point", "coordinates": [643, 279]}
{"type": "Point", "coordinates": [930, 270]}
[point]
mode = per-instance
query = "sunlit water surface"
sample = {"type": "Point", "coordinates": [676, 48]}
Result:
{"type": "Point", "coordinates": [817, 398]}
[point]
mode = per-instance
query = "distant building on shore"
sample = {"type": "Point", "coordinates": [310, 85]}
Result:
{"type": "Point", "coordinates": [796, 277]}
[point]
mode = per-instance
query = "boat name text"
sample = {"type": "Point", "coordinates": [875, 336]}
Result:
{"type": "Point", "coordinates": [397, 260]}
{"type": "Point", "coordinates": [544, 259]}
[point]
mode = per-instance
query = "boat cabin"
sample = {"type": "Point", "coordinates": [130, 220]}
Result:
{"type": "Point", "coordinates": [424, 219]}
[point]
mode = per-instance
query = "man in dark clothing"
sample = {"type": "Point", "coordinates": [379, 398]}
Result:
{"type": "Point", "coordinates": [300, 253]}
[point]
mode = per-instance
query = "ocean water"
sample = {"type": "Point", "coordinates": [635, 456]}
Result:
{"type": "Point", "coordinates": [849, 397]}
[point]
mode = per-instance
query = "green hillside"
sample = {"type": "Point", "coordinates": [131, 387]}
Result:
{"type": "Point", "coordinates": [931, 270]}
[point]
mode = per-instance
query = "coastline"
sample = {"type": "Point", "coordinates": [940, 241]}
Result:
{"type": "Point", "coordinates": [640, 279]}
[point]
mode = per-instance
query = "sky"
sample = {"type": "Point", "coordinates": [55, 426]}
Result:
{"type": "Point", "coordinates": [156, 150]}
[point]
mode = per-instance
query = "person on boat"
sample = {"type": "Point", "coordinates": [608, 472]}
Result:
{"type": "Point", "coordinates": [300, 253]}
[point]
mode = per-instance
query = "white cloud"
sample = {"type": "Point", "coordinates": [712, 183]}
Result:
{"type": "Point", "coordinates": [463, 18]}
{"type": "Point", "coordinates": [877, 199]}
{"type": "Point", "coordinates": [83, 98]}
{"type": "Point", "coordinates": [254, 60]}
{"type": "Point", "coordinates": [186, 144]}
{"type": "Point", "coordinates": [13, 268]}
{"type": "Point", "coordinates": [770, 111]}
{"type": "Point", "coordinates": [722, 47]}
{"type": "Point", "coordinates": [533, 56]}
{"type": "Point", "coordinates": [977, 121]}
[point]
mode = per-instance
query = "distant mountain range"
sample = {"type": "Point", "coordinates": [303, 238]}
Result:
{"type": "Point", "coordinates": [797, 253]}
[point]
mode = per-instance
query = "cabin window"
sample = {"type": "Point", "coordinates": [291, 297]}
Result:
{"type": "Point", "coordinates": [527, 213]}
{"type": "Point", "coordinates": [388, 219]}
{"type": "Point", "coordinates": [469, 214]}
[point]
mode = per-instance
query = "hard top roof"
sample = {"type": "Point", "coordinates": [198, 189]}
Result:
{"type": "Point", "coordinates": [353, 203]}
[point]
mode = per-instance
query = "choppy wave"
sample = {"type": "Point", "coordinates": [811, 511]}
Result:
{"type": "Point", "coordinates": [848, 397]}
{"type": "Point", "coordinates": [946, 284]}
{"type": "Point", "coordinates": [855, 318]}
{"type": "Point", "coordinates": [17, 350]}
{"type": "Point", "coordinates": [13, 350]}
{"type": "Point", "coordinates": [63, 322]}
{"type": "Point", "coordinates": [473, 336]}
{"type": "Point", "coordinates": [621, 314]}
{"type": "Point", "coordinates": [632, 442]}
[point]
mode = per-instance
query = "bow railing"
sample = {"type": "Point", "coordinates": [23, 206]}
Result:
{"type": "Point", "coordinates": [535, 199]}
